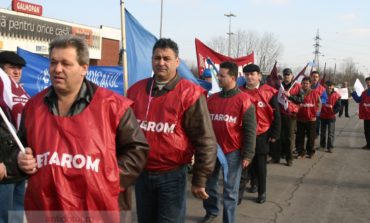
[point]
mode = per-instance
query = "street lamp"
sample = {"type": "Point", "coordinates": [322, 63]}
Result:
{"type": "Point", "coordinates": [229, 33]}
{"type": "Point", "coordinates": [160, 26]}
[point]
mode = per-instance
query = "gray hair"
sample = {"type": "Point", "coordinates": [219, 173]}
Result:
{"type": "Point", "coordinates": [72, 41]}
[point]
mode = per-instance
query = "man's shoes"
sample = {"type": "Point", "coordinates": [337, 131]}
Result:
{"type": "Point", "coordinates": [347, 116]}
{"type": "Point", "coordinates": [365, 147]}
{"type": "Point", "coordinates": [208, 218]}
{"type": "Point", "coordinates": [253, 189]}
{"type": "Point", "coordinates": [261, 198]}
{"type": "Point", "coordinates": [330, 150]}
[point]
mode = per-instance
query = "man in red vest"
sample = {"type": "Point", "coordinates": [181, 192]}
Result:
{"type": "Point", "coordinates": [85, 145]}
{"type": "Point", "coordinates": [306, 119]}
{"type": "Point", "coordinates": [289, 98]}
{"type": "Point", "coordinates": [264, 98]}
{"type": "Point", "coordinates": [173, 113]}
{"type": "Point", "coordinates": [327, 116]}
{"type": "Point", "coordinates": [234, 122]}
{"type": "Point", "coordinates": [316, 86]}
{"type": "Point", "coordinates": [364, 110]}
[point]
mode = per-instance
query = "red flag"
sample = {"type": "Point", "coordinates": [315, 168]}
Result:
{"type": "Point", "coordinates": [12, 98]}
{"type": "Point", "coordinates": [272, 79]}
{"type": "Point", "coordinates": [300, 73]}
{"type": "Point", "coordinates": [322, 82]}
{"type": "Point", "coordinates": [203, 52]}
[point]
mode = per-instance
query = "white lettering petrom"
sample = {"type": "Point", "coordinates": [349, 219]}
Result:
{"type": "Point", "coordinates": [150, 126]}
{"type": "Point", "coordinates": [77, 161]}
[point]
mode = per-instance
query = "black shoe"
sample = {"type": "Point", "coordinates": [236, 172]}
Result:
{"type": "Point", "coordinates": [253, 189]}
{"type": "Point", "coordinates": [208, 218]}
{"type": "Point", "coordinates": [261, 198]}
{"type": "Point", "coordinates": [365, 147]}
{"type": "Point", "coordinates": [289, 163]}
{"type": "Point", "coordinates": [330, 150]}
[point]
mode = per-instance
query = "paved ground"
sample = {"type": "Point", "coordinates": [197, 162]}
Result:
{"type": "Point", "coordinates": [327, 188]}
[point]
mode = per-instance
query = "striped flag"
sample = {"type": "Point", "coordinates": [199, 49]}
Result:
{"type": "Point", "coordinates": [12, 99]}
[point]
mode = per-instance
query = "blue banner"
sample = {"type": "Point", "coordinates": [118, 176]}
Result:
{"type": "Point", "coordinates": [36, 77]}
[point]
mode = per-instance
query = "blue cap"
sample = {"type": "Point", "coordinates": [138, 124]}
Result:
{"type": "Point", "coordinates": [207, 73]}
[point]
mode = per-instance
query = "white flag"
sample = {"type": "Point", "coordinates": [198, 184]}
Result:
{"type": "Point", "coordinates": [282, 98]}
{"type": "Point", "coordinates": [359, 88]}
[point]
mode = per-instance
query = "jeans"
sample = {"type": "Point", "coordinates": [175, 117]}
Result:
{"type": "Point", "coordinates": [160, 197]}
{"type": "Point", "coordinates": [230, 191]}
{"type": "Point", "coordinates": [330, 125]}
{"type": "Point", "coordinates": [12, 202]}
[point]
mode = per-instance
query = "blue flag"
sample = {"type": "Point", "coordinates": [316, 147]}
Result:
{"type": "Point", "coordinates": [140, 44]}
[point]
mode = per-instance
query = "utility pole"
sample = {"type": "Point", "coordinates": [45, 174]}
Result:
{"type": "Point", "coordinates": [317, 50]}
{"type": "Point", "coordinates": [229, 33]}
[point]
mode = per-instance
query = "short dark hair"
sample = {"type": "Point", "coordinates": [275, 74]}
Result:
{"type": "Point", "coordinates": [306, 79]}
{"type": "Point", "coordinates": [287, 71]}
{"type": "Point", "coordinates": [367, 79]}
{"type": "Point", "coordinates": [232, 67]}
{"type": "Point", "coordinates": [315, 72]}
{"type": "Point", "coordinates": [251, 68]}
{"type": "Point", "coordinates": [164, 43]}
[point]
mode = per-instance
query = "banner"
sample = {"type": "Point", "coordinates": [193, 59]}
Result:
{"type": "Point", "coordinates": [203, 52]}
{"type": "Point", "coordinates": [12, 99]}
{"type": "Point", "coordinates": [36, 77]}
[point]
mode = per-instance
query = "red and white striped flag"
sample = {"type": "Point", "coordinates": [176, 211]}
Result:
{"type": "Point", "coordinates": [12, 99]}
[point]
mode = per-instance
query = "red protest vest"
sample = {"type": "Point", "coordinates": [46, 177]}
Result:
{"type": "Point", "coordinates": [163, 128]}
{"type": "Point", "coordinates": [319, 89]}
{"type": "Point", "coordinates": [327, 111]}
{"type": "Point", "coordinates": [364, 110]}
{"type": "Point", "coordinates": [309, 107]}
{"type": "Point", "coordinates": [227, 116]}
{"type": "Point", "coordinates": [292, 107]}
{"type": "Point", "coordinates": [264, 112]}
{"type": "Point", "coordinates": [76, 157]}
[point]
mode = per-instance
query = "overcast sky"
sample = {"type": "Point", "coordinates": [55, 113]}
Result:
{"type": "Point", "coordinates": [344, 25]}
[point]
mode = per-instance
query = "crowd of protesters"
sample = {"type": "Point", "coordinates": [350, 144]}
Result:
{"type": "Point", "coordinates": [86, 147]}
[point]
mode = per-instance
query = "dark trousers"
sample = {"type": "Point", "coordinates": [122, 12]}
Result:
{"type": "Point", "coordinates": [275, 151]}
{"type": "Point", "coordinates": [288, 124]}
{"type": "Point", "coordinates": [257, 170]}
{"type": "Point", "coordinates": [367, 132]}
{"type": "Point", "coordinates": [304, 129]}
{"type": "Point", "coordinates": [328, 124]}
{"type": "Point", "coordinates": [343, 105]}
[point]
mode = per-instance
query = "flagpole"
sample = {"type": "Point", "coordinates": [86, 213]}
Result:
{"type": "Point", "coordinates": [12, 131]}
{"type": "Point", "coordinates": [124, 52]}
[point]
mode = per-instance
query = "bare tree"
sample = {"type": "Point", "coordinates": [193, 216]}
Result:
{"type": "Point", "coordinates": [267, 48]}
